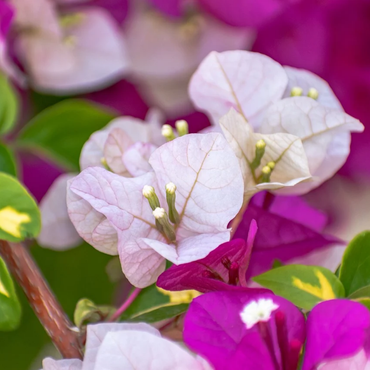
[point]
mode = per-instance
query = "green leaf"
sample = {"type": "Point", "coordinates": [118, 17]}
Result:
{"type": "Point", "coordinates": [161, 313]}
{"type": "Point", "coordinates": [305, 286]}
{"type": "Point", "coordinates": [61, 130]}
{"type": "Point", "coordinates": [7, 161]}
{"type": "Point", "coordinates": [87, 312]}
{"type": "Point", "coordinates": [19, 214]}
{"type": "Point", "coordinates": [8, 106]}
{"type": "Point", "coordinates": [276, 263]}
{"type": "Point", "coordinates": [148, 298]}
{"type": "Point", "coordinates": [355, 271]}
{"type": "Point", "coordinates": [364, 301]}
{"type": "Point", "coordinates": [363, 292]}
{"type": "Point", "coordinates": [10, 308]}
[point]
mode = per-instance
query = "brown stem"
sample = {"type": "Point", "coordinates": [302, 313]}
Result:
{"type": "Point", "coordinates": [42, 300]}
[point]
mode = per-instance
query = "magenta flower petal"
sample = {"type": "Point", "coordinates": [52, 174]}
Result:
{"type": "Point", "coordinates": [223, 269]}
{"type": "Point", "coordinates": [213, 328]}
{"type": "Point", "coordinates": [335, 329]}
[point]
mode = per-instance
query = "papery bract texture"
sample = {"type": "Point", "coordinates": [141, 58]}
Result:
{"type": "Point", "coordinates": [116, 138]}
{"type": "Point", "coordinates": [214, 329]}
{"type": "Point", "coordinates": [139, 350]}
{"type": "Point", "coordinates": [119, 346]}
{"type": "Point", "coordinates": [325, 134]}
{"type": "Point", "coordinates": [285, 151]}
{"type": "Point", "coordinates": [209, 195]}
{"type": "Point", "coordinates": [117, 203]}
{"type": "Point", "coordinates": [57, 230]}
{"type": "Point", "coordinates": [336, 329]}
{"type": "Point", "coordinates": [247, 82]}
{"type": "Point", "coordinates": [307, 80]}
{"type": "Point", "coordinates": [96, 334]}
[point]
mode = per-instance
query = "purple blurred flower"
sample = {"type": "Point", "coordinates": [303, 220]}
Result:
{"type": "Point", "coordinates": [330, 38]}
{"type": "Point", "coordinates": [290, 232]}
{"type": "Point", "coordinates": [288, 240]}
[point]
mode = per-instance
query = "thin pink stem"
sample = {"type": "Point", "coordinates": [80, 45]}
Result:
{"type": "Point", "coordinates": [125, 304]}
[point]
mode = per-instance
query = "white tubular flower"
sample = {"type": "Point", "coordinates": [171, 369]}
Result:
{"type": "Point", "coordinates": [159, 213]}
{"type": "Point", "coordinates": [257, 311]}
{"type": "Point", "coordinates": [171, 188]}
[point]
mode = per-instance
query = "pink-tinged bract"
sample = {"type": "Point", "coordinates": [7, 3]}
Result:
{"type": "Point", "coordinates": [248, 82]}
{"type": "Point", "coordinates": [325, 134]}
{"type": "Point", "coordinates": [57, 230]}
{"type": "Point", "coordinates": [116, 346]}
{"type": "Point", "coordinates": [209, 195]}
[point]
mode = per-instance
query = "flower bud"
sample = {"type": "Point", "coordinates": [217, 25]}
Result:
{"type": "Point", "coordinates": [266, 172]}
{"type": "Point", "coordinates": [260, 151]}
{"type": "Point", "coordinates": [171, 202]}
{"type": "Point", "coordinates": [296, 91]}
{"type": "Point", "coordinates": [182, 127]}
{"type": "Point", "coordinates": [271, 165]}
{"type": "Point", "coordinates": [149, 193]}
{"type": "Point", "coordinates": [313, 93]}
{"type": "Point", "coordinates": [162, 218]}
{"type": "Point", "coordinates": [167, 132]}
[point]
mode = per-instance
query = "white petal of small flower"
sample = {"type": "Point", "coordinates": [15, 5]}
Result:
{"type": "Point", "coordinates": [257, 311]}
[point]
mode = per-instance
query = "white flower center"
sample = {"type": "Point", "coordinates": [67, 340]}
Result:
{"type": "Point", "coordinates": [257, 311]}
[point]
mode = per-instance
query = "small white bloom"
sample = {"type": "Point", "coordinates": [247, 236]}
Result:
{"type": "Point", "coordinates": [257, 311]}
{"type": "Point", "coordinates": [159, 213]}
{"type": "Point", "coordinates": [171, 188]}
{"type": "Point", "coordinates": [148, 191]}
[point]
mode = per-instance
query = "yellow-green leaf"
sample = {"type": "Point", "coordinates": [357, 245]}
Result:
{"type": "Point", "coordinates": [305, 286]}
{"type": "Point", "coordinates": [8, 106]}
{"type": "Point", "coordinates": [7, 161]}
{"type": "Point", "coordinates": [355, 272]}
{"type": "Point", "coordinates": [19, 214]}
{"type": "Point", "coordinates": [10, 308]}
